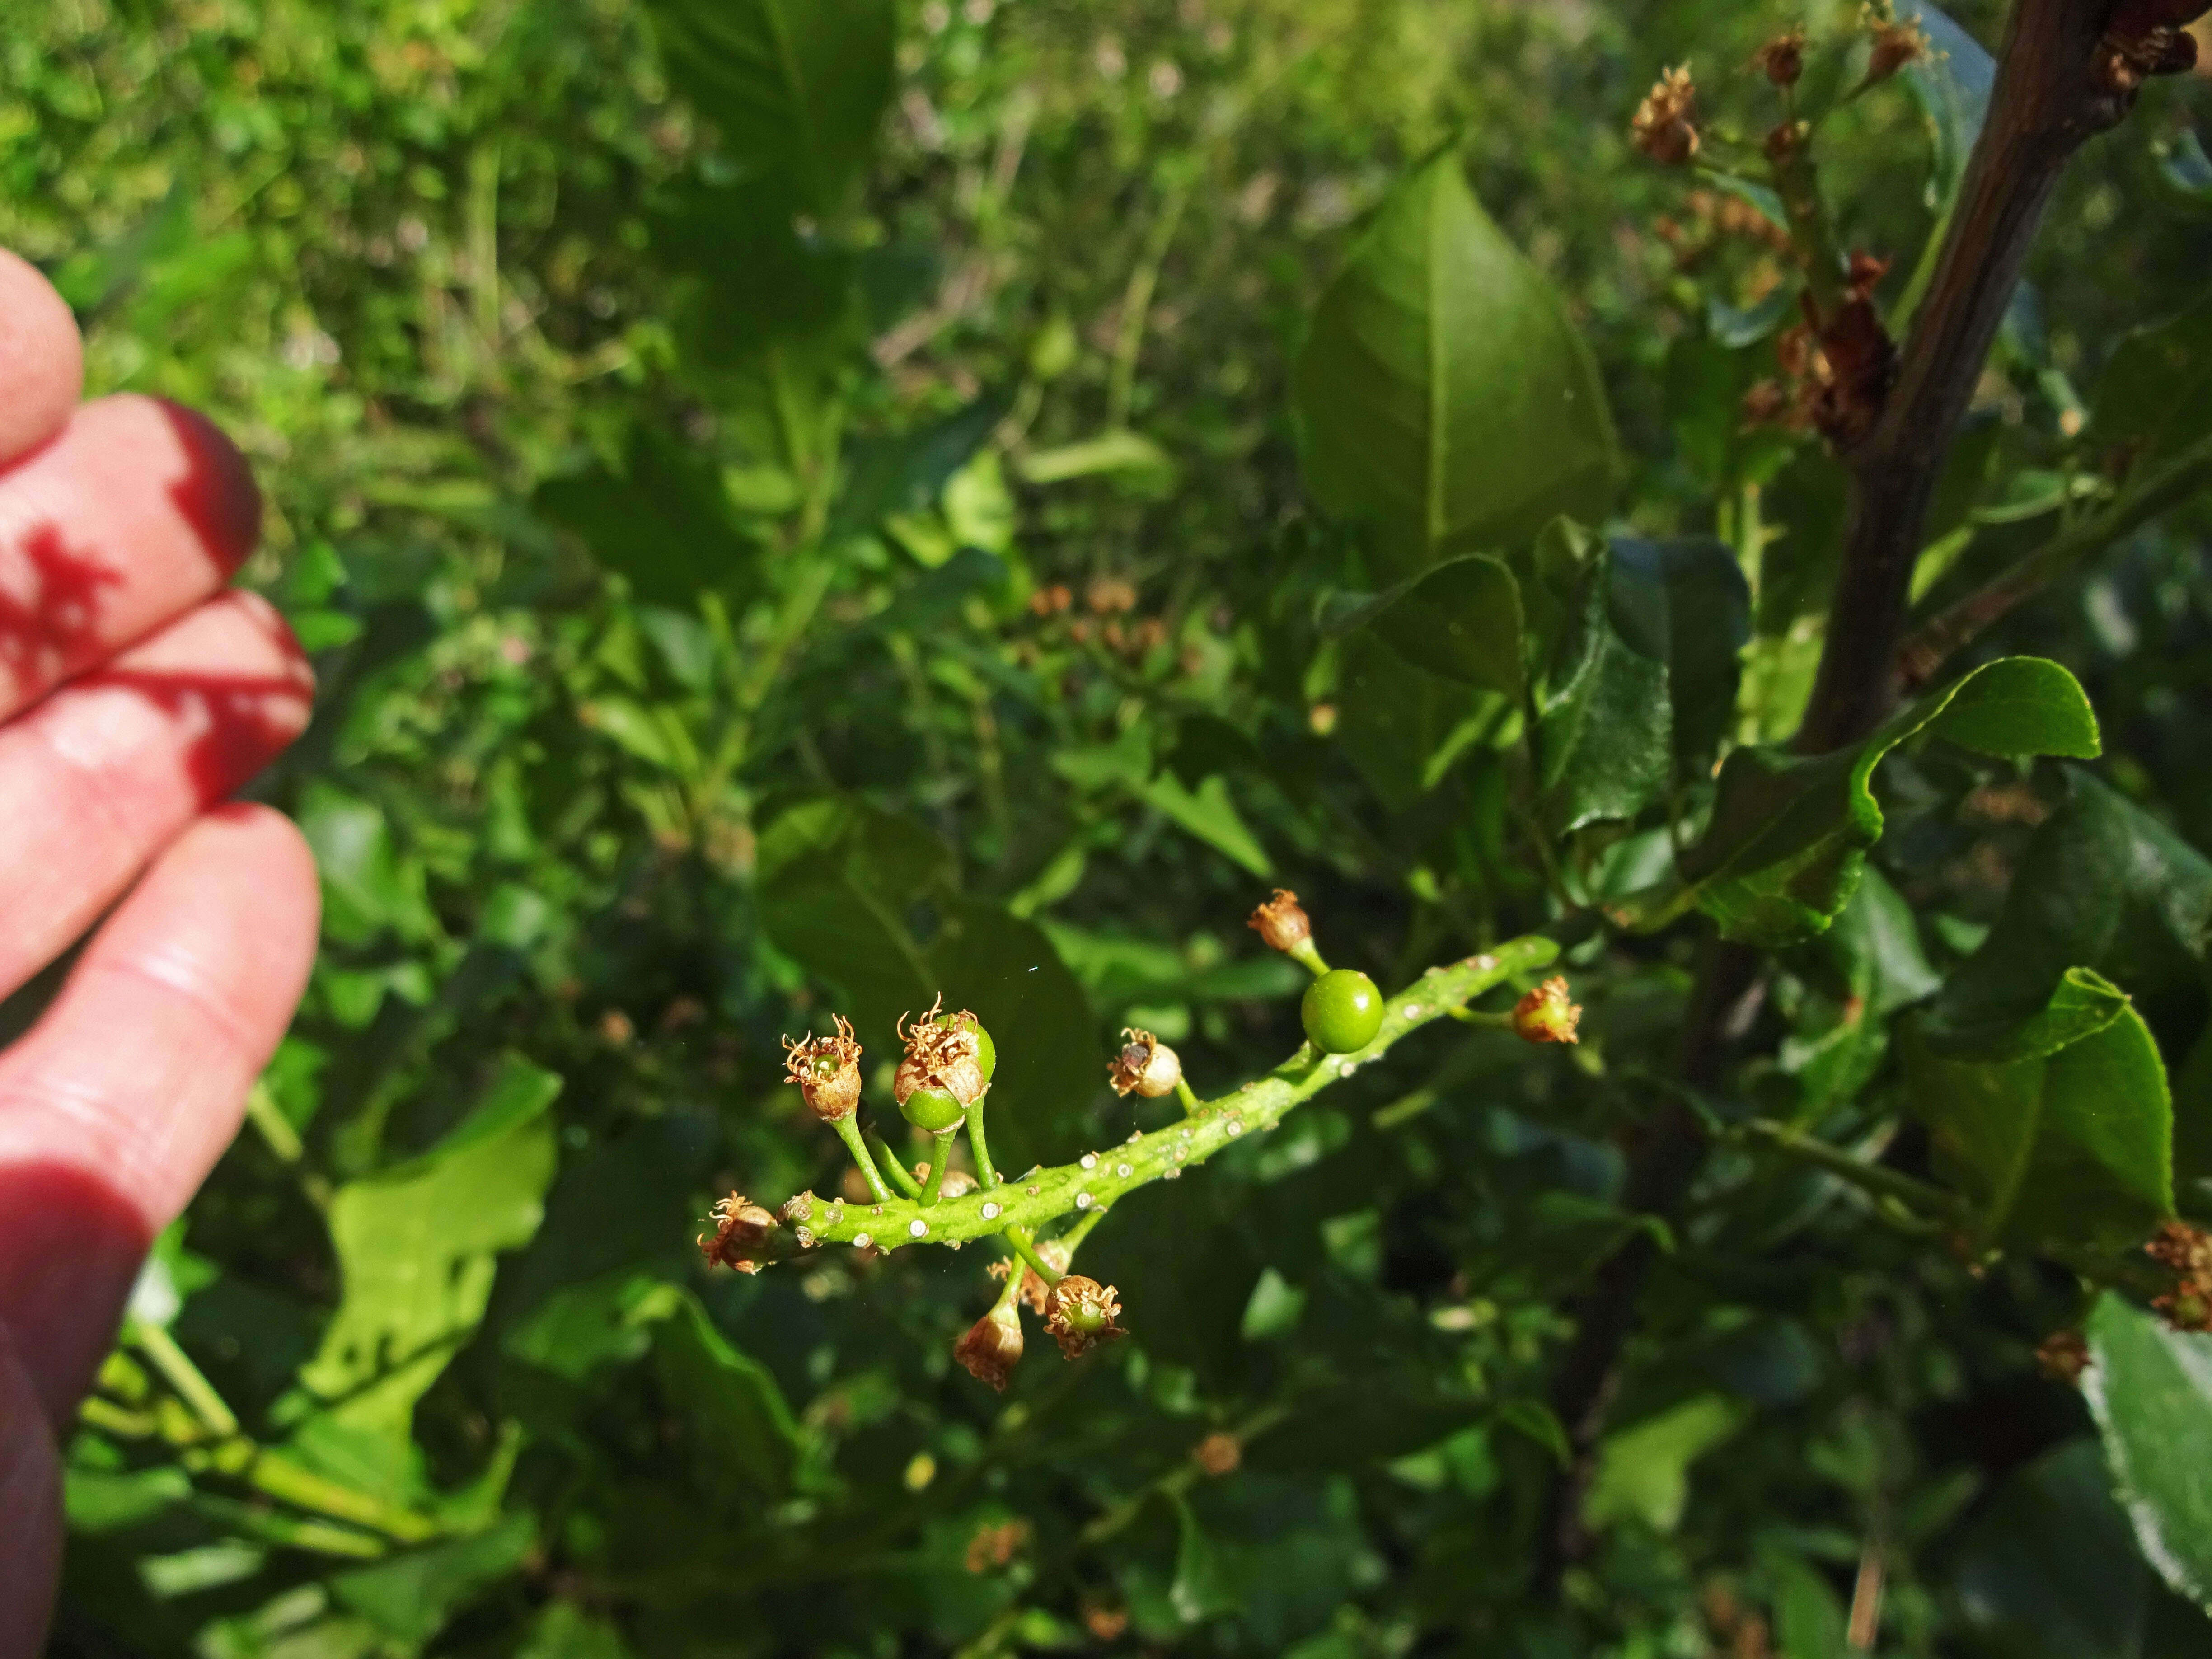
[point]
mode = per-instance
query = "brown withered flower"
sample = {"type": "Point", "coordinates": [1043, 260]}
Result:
{"type": "Point", "coordinates": [741, 1228]}
{"type": "Point", "coordinates": [991, 1346]}
{"type": "Point", "coordinates": [827, 1071]}
{"type": "Point", "coordinates": [2187, 1251]}
{"type": "Point", "coordinates": [1547, 1014]}
{"type": "Point", "coordinates": [1663, 127]}
{"type": "Point", "coordinates": [1145, 1065]}
{"type": "Point", "coordinates": [1080, 1314]}
{"type": "Point", "coordinates": [940, 1053]}
{"type": "Point", "coordinates": [2063, 1356]}
{"type": "Point", "coordinates": [1895, 45]}
{"type": "Point", "coordinates": [1782, 60]}
{"type": "Point", "coordinates": [1281, 922]}
{"type": "Point", "coordinates": [1218, 1453]}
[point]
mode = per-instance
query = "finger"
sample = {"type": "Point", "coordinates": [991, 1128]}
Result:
{"type": "Point", "coordinates": [135, 513]}
{"type": "Point", "coordinates": [31, 1499]}
{"type": "Point", "coordinates": [107, 771]}
{"type": "Point", "coordinates": [41, 359]}
{"type": "Point", "coordinates": [118, 1102]}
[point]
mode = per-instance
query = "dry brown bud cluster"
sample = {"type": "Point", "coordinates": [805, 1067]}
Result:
{"type": "Point", "coordinates": [1894, 44]}
{"type": "Point", "coordinates": [741, 1227]}
{"type": "Point", "coordinates": [2187, 1251]}
{"type": "Point", "coordinates": [1663, 127]}
{"type": "Point", "coordinates": [1782, 60]}
{"type": "Point", "coordinates": [2063, 1356]}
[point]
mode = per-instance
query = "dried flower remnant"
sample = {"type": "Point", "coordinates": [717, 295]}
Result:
{"type": "Point", "coordinates": [1145, 1065]}
{"type": "Point", "coordinates": [941, 1053]}
{"type": "Point", "coordinates": [1080, 1314]}
{"type": "Point", "coordinates": [827, 1069]}
{"type": "Point", "coordinates": [1218, 1453]}
{"type": "Point", "coordinates": [992, 1346]}
{"type": "Point", "coordinates": [1548, 1014]}
{"type": "Point", "coordinates": [996, 1546]}
{"type": "Point", "coordinates": [1281, 922]}
{"type": "Point", "coordinates": [2188, 1251]}
{"type": "Point", "coordinates": [1782, 60]}
{"type": "Point", "coordinates": [2063, 1356]}
{"type": "Point", "coordinates": [1894, 44]}
{"type": "Point", "coordinates": [741, 1227]}
{"type": "Point", "coordinates": [1662, 128]}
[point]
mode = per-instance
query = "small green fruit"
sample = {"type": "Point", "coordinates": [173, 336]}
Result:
{"type": "Point", "coordinates": [986, 1052]}
{"type": "Point", "coordinates": [934, 1109]}
{"type": "Point", "coordinates": [1342, 1011]}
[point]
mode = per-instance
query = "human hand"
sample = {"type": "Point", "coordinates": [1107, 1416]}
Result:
{"type": "Point", "coordinates": [134, 695]}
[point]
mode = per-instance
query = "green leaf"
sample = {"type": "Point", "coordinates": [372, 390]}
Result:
{"type": "Point", "coordinates": [1643, 1470]}
{"type": "Point", "coordinates": [1087, 458]}
{"type": "Point", "coordinates": [1808, 1614]}
{"type": "Point", "coordinates": [367, 887]}
{"type": "Point", "coordinates": [1878, 967]}
{"type": "Point", "coordinates": [1952, 84]}
{"type": "Point", "coordinates": [1607, 726]}
{"type": "Point", "coordinates": [1401, 728]}
{"type": "Point", "coordinates": [836, 879]}
{"type": "Point", "coordinates": [2103, 885]}
{"type": "Point", "coordinates": [1210, 814]}
{"type": "Point", "coordinates": [663, 523]}
{"type": "Point", "coordinates": [1050, 1064]}
{"type": "Point", "coordinates": [2155, 394]}
{"type": "Point", "coordinates": [2057, 1126]}
{"type": "Point", "coordinates": [796, 87]}
{"type": "Point", "coordinates": [2047, 1571]}
{"type": "Point", "coordinates": [738, 1416]}
{"type": "Point", "coordinates": [1460, 620]}
{"type": "Point", "coordinates": [1444, 398]}
{"type": "Point", "coordinates": [415, 1248]}
{"type": "Point", "coordinates": [1201, 1587]}
{"type": "Point", "coordinates": [412, 1596]}
{"type": "Point", "coordinates": [1789, 833]}
{"type": "Point", "coordinates": [2150, 1391]}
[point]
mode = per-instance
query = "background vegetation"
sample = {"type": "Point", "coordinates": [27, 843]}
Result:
{"type": "Point", "coordinates": [741, 589]}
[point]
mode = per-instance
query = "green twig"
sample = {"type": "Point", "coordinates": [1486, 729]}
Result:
{"type": "Point", "coordinates": [1025, 1247]}
{"type": "Point", "coordinates": [1308, 956]}
{"type": "Point", "coordinates": [932, 1184]}
{"type": "Point", "coordinates": [848, 1131]}
{"type": "Point", "coordinates": [986, 1171]}
{"type": "Point", "coordinates": [902, 1177]}
{"type": "Point", "coordinates": [1187, 1095]}
{"type": "Point", "coordinates": [176, 1365]}
{"type": "Point", "coordinates": [1868, 1177]}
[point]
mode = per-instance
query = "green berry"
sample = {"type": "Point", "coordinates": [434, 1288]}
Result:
{"type": "Point", "coordinates": [934, 1109]}
{"type": "Point", "coordinates": [1342, 1011]}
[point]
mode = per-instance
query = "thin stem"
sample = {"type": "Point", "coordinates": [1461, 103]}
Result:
{"type": "Point", "coordinates": [275, 1127]}
{"type": "Point", "coordinates": [986, 1171]}
{"type": "Point", "coordinates": [1187, 1095]}
{"type": "Point", "coordinates": [848, 1131]}
{"type": "Point", "coordinates": [1868, 1177]}
{"type": "Point", "coordinates": [191, 1387]}
{"type": "Point", "coordinates": [1025, 1247]}
{"type": "Point", "coordinates": [1924, 651]}
{"type": "Point", "coordinates": [1308, 956]}
{"type": "Point", "coordinates": [1136, 308]}
{"type": "Point", "coordinates": [1488, 1021]}
{"type": "Point", "coordinates": [932, 1184]}
{"type": "Point", "coordinates": [898, 1171]}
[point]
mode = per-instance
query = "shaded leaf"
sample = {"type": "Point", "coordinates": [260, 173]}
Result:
{"type": "Point", "coordinates": [2057, 1126]}
{"type": "Point", "coordinates": [2150, 1391]}
{"type": "Point", "coordinates": [1444, 398]}
{"type": "Point", "coordinates": [795, 87]}
{"type": "Point", "coordinates": [2155, 394]}
{"type": "Point", "coordinates": [411, 1597]}
{"type": "Point", "coordinates": [663, 523]}
{"type": "Point", "coordinates": [1789, 833]}
{"type": "Point", "coordinates": [738, 1416]}
{"type": "Point", "coordinates": [1460, 620]}
{"type": "Point", "coordinates": [1952, 84]}
{"type": "Point", "coordinates": [2047, 1571]}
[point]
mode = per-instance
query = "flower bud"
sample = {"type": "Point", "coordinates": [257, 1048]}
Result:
{"type": "Point", "coordinates": [1782, 60]}
{"type": "Point", "coordinates": [1662, 127]}
{"type": "Point", "coordinates": [1547, 1014]}
{"type": "Point", "coordinates": [1080, 1314]}
{"type": "Point", "coordinates": [742, 1228]}
{"type": "Point", "coordinates": [1145, 1066]}
{"type": "Point", "coordinates": [991, 1346]}
{"type": "Point", "coordinates": [1281, 922]}
{"type": "Point", "coordinates": [827, 1071]}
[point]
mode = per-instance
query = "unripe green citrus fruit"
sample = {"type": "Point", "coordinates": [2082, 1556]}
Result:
{"type": "Point", "coordinates": [934, 1109]}
{"type": "Point", "coordinates": [1342, 1011]}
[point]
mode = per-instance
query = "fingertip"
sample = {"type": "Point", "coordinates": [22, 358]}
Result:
{"type": "Point", "coordinates": [214, 492]}
{"type": "Point", "coordinates": [41, 358]}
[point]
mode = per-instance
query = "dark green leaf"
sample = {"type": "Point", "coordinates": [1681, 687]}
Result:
{"type": "Point", "coordinates": [1708, 609]}
{"type": "Point", "coordinates": [2155, 394]}
{"type": "Point", "coordinates": [2150, 1391]}
{"type": "Point", "coordinates": [738, 1414]}
{"type": "Point", "coordinates": [664, 525]}
{"type": "Point", "coordinates": [1643, 1470]}
{"type": "Point", "coordinates": [1460, 620]}
{"type": "Point", "coordinates": [1402, 728]}
{"type": "Point", "coordinates": [1444, 398]}
{"type": "Point", "coordinates": [1603, 739]}
{"type": "Point", "coordinates": [2047, 1571]}
{"type": "Point", "coordinates": [1952, 84]}
{"type": "Point", "coordinates": [1789, 833]}
{"type": "Point", "coordinates": [411, 1597]}
{"type": "Point", "coordinates": [2058, 1128]}
{"type": "Point", "coordinates": [795, 87]}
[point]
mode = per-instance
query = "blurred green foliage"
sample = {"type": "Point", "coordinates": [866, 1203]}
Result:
{"type": "Point", "coordinates": [797, 506]}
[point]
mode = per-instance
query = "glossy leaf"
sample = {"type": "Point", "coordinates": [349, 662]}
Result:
{"type": "Point", "coordinates": [1444, 399]}
{"type": "Point", "coordinates": [1460, 620]}
{"type": "Point", "coordinates": [2150, 1391]}
{"type": "Point", "coordinates": [740, 1423]}
{"type": "Point", "coordinates": [2057, 1127]}
{"type": "Point", "coordinates": [2103, 885]}
{"type": "Point", "coordinates": [795, 87]}
{"type": "Point", "coordinates": [2046, 1571]}
{"type": "Point", "coordinates": [1952, 84]}
{"type": "Point", "coordinates": [1789, 833]}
